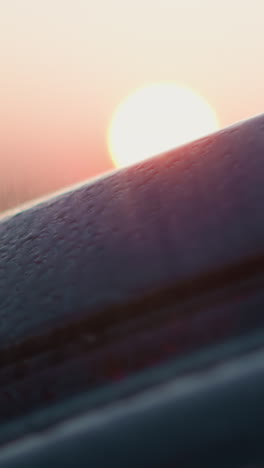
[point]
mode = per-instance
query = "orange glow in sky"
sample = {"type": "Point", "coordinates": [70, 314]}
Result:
{"type": "Point", "coordinates": [66, 65]}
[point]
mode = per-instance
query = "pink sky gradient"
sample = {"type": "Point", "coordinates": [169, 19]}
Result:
{"type": "Point", "coordinates": [66, 65]}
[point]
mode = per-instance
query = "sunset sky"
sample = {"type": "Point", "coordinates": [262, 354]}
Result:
{"type": "Point", "coordinates": [67, 64]}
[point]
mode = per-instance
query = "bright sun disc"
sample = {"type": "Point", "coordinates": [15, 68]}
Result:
{"type": "Point", "coordinates": [157, 118]}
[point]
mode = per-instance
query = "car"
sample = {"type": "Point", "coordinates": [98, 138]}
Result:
{"type": "Point", "coordinates": [131, 314]}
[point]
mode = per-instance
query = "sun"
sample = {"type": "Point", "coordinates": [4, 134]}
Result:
{"type": "Point", "coordinates": [157, 118]}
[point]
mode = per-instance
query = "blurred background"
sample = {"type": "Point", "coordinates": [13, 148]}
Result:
{"type": "Point", "coordinates": [67, 64]}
